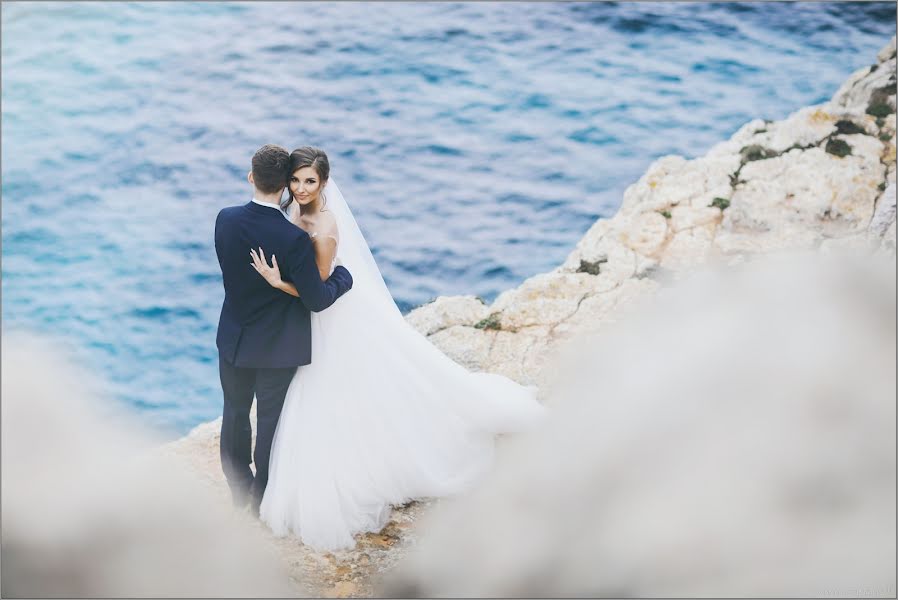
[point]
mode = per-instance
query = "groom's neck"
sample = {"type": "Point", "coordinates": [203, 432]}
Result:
{"type": "Point", "coordinates": [274, 199]}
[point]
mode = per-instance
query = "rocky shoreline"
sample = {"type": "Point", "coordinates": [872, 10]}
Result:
{"type": "Point", "coordinates": [822, 178]}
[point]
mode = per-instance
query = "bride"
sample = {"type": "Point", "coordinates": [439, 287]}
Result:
{"type": "Point", "coordinates": [380, 416]}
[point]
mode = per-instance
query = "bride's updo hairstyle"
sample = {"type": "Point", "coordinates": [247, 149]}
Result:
{"type": "Point", "coordinates": [308, 156]}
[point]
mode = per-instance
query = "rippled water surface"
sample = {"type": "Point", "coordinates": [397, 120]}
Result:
{"type": "Point", "coordinates": [475, 142]}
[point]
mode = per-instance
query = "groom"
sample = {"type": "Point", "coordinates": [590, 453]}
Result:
{"type": "Point", "coordinates": [263, 333]}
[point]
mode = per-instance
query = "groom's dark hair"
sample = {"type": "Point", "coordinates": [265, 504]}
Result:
{"type": "Point", "coordinates": [270, 165]}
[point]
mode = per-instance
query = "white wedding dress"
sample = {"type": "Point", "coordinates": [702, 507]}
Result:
{"type": "Point", "coordinates": [380, 416]}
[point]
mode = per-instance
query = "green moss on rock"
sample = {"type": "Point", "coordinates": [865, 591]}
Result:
{"type": "Point", "coordinates": [838, 148]}
{"type": "Point", "coordinates": [734, 179]}
{"type": "Point", "coordinates": [880, 110]}
{"type": "Point", "coordinates": [721, 203]}
{"type": "Point", "coordinates": [491, 322]}
{"type": "Point", "coordinates": [847, 127]}
{"type": "Point", "coordinates": [756, 152]}
{"type": "Point", "coordinates": [592, 268]}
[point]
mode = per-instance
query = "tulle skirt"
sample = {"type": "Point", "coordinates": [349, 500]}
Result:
{"type": "Point", "coordinates": [378, 418]}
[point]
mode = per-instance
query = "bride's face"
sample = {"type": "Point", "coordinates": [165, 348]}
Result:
{"type": "Point", "coordinates": [305, 185]}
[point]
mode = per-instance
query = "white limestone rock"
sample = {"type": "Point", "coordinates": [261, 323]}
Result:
{"type": "Point", "coordinates": [645, 193]}
{"type": "Point", "coordinates": [602, 249]}
{"type": "Point", "coordinates": [634, 240]}
{"type": "Point", "coordinates": [889, 125]}
{"type": "Point", "coordinates": [597, 309]}
{"type": "Point", "coordinates": [810, 190]}
{"type": "Point", "coordinates": [673, 181]}
{"type": "Point", "coordinates": [766, 198]}
{"type": "Point", "coordinates": [683, 218]}
{"type": "Point", "coordinates": [544, 299]}
{"type": "Point", "coordinates": [887, 52]}
{"type": "Point", "coordinates": [447, 311]}
{"type": "Point", "coordinates": [508, 351]}
{"type": "Point", "coordinates": [644, 265]}
{"type": "Point", "coordinates": [467, 346]}
{"type": "Point", "coordinates": [887, 156]}
{"type": "Point", "coordinates": [690, 247]}
{"type": "Point", "coordinates": [537, 356]}
{"type": "Point", "coordinates": [884, 216]}
{"type": "Point", "coordinates": [864, 121]}
{"type": "Point", "coordinates": [645, 233]}
{"type": "Point", "coordinates": [868, 85]}
{"type": "Point", "coordinates": [804, 127]}
{"type": "Point", "coordinates": [848, 96]}
{"type": "Point", "coordinates": [867, 146]}
{"type": "Point", "coordinates": [589, 248]}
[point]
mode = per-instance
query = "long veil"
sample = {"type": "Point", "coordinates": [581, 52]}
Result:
{"type": "Point", "coordinates": [379, 324]}
{"type": "Point", "coordinates": [355, 254]}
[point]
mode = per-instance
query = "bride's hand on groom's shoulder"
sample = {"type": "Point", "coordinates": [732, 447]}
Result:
{"type": "Point", "coordinates": [272, 274]}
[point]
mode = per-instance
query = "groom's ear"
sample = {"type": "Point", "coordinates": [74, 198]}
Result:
{"type": "Point", "coordinates": [249, 177]}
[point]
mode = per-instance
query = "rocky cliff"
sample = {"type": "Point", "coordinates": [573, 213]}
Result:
{"type": "Point", "coordinates": [821, 178]}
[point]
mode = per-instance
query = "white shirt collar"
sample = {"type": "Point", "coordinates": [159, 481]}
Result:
{"type": "Point", "coordinates": [271, 206]}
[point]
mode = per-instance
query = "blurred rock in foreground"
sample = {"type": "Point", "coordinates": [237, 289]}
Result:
{"type": "Point", "coordinates": [735, 437]}
{"type": "Point", "coordinates": [90, 508]}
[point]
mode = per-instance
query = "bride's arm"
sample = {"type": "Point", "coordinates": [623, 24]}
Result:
{"type": "Point", "coordinates": [271, 274]}
{"type": "Point", "coordinates": [325, 250]}
{"type": "Point", "coordinates": [324, 242]}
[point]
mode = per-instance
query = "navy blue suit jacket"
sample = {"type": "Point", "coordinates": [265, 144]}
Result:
{"type": "Point", "coordinates": [260, 326]}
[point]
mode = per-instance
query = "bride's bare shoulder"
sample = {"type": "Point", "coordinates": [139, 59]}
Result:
{"type": "Point", "coordinates": [327, 223]}
{"type": "Point", "coordinates": [324, 226]}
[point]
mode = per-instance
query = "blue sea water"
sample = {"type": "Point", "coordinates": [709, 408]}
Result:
{"type": "Point", "coordinates": [476, 143]}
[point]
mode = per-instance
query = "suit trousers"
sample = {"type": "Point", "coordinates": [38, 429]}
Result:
{"type": "Point", "coordinates": [240, 385]}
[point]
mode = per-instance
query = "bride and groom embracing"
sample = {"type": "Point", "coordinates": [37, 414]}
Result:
{"type": "Point", "coordinates": [356, 411]}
